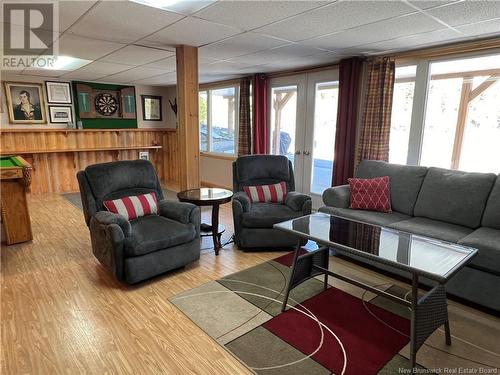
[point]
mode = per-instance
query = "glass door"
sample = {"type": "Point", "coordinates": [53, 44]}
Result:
{"type": "Point", "coordinates": [287, 95]}
{"type": "Point", "coordinates": [303, 119]}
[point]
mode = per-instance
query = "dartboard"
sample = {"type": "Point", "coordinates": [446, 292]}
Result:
{"type": "Point", "coordinates": [106, 104]}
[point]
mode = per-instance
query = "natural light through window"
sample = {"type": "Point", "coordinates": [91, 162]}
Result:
{"type": "Point", "coordinates": [404, 87]}
{"type": "Point", "coordinates": [462, 119]}
{"type": "Point", "coordinates": [219, 120]}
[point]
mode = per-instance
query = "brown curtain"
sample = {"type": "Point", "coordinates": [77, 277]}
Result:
{"type": "Point", "coordinates": [345, 134]}
{"type": "Point", "coordinates": [376, 122]}
{"type": "Point", "coordinates": [245, 127]}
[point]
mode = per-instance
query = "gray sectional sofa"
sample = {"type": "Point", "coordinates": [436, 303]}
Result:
{"type": "Point", "coordinates": [449, 205]}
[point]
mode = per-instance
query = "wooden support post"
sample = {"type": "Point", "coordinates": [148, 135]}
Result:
{"type": "Point", "coordinates": [187, 115]}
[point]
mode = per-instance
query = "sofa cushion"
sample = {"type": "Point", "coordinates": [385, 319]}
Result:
{"type": "Point", "coordinates": [454, 196]}
{"type": "Point", "coordinates": [265, 215]}
{"type": "Point", "coordinates": [371, 217]}
{"type": "Point", "coordinates": [487, 241]}
{"type": "Point", "coordinates": [491, 217]}
{"type": "Point", "coordinates": [372, 194]}
{"type": "Point", "coordinates": [433, 228]}
{"type": "Point", "coordinates": [152, 233]}
{"type": "Point", "coordinates": [405, 181]}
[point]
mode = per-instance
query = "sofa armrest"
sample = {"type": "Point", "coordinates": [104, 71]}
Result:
{"type": "Point", "coordinates": [179, 211]}
{"type": "Point", "coordinates": [242, 198]}
{"type": "Point", "coordinates": [108, 218]}
{"type": "Point", "coordinates": [297, 201]}
{"type": "Point", "coordinates": [337, 196]}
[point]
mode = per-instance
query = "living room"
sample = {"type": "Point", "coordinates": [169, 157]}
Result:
{"type": "Point", "coordinates": [237, 187]}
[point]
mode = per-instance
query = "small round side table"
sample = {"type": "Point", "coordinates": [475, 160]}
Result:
{"type": "Point", "coordinates": [209, 197]}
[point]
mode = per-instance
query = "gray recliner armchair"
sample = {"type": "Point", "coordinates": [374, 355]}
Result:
{"type": "Point", "coordinates": [253, 222]}
{"type": "Point", "coordinates": [147, 246]}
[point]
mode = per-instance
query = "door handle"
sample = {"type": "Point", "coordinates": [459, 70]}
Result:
{"type": "Point", "coordinates": [297, 152]}
{"type": "Point", "coordinates": [307, 153]}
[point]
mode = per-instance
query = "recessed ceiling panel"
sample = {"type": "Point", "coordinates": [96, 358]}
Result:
{"type": "Point", "coordinates": [122, 21]}
{"type": "Point", "coordinates": [338, 16]}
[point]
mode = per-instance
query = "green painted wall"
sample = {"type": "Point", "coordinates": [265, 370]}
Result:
{"type": "Point", "coordinates": [102, 123]}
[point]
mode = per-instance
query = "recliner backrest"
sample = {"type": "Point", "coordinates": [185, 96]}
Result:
{"type": "Point", "coordinates": [253, 170]}
{"type": "Point", "coordinates": [405, 181]}
{"type": "Point", "coordinates": [100, 182]}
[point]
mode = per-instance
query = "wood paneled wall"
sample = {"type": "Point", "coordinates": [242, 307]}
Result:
{"type": "Point", "coordinates": [57, 155]}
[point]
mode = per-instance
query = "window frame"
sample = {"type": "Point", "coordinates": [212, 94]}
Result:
{"type": "Point", "coordinates": [209, 90]}
{"type": "Point", "coordinates": [419, 107]}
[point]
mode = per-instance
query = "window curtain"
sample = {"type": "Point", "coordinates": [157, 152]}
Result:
{"type": "Point", "coordinates": [350, 71]}
{"type": "Point", "coordinates": [244, 130]}
{"type": "Point", "coordinates": [376, 121]}
{"type": "Point", "coordinates": [260, 114]}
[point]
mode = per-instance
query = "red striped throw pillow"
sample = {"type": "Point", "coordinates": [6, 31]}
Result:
{"type": "Point", "coordinates": [267, 193]}
{"type": "Point", "coordinates": [134, 206]}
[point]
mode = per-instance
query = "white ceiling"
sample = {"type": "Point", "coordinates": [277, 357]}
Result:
{"type": "Point", "coordinates": [129, 42]}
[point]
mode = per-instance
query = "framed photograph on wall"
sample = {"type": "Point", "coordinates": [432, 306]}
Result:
{"type": "Point", "coordinates": [60, 115]}
{"type": "Point", "coordinates": [151, 108]}
{"type": "Point", "coordinates": [58, 92]}
{"type": "Point", "coordinates": [25, 102]}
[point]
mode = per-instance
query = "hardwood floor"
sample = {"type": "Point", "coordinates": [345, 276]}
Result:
{"type": "Point", "coordinates": [62, 313]}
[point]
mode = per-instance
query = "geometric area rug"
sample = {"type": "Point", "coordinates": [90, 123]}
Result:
{"type": "Point", "coordinates": [321, 332]}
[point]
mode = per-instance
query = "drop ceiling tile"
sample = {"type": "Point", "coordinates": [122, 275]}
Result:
{"type": "Point", "coordinates": [467, 12]}
{"type": "Point", "coordinates": [240, 45]}
{"type": "Point", "coordinates": [188, 7]}
{"type": "Point", "coordinates": [44, 72]}
{"type": "Point", "coordinates": [321, 58]}
{"type": "Point", "coordinates": [168, 64]}
{"type": "Point", "coordinates": [338, 16]}
{"type": "Point", "coordinates": [277, 54]}
{"type": "Point", "coordinates": [71, 11]}
{"type": "Point", "coordinates": [376, 32]}
{"type": "Point", "coordinates": [430, 38]}
{"type": "Point", "coordinates": [122, 21]}
{"type": "Point", "coordinates": [134, 74]}
{"type": "Point", "coordinates": [85, 48]}
{"type": "Point", "coordinates": [101, 69]}
{"type": "Point", "coordinates": [481, 28]}
{"type": "Point", "coordinates": [222, 67]}
{"type": "Point", "coordinates": [248, 15]}
{"type": "Point", "coordinates": [80, 75]}
{"type": "Point", "coordinates": [160, 80]}
{"type": "Point", "coordinates": [191, 31]}
{"type": "Point", "coordinates": [137, 55]}
{"type": "Point", "coordinates": [427, 4]}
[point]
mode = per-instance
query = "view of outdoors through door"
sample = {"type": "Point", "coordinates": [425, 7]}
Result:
{"type": "Point", "coordinates": [283, 121]}
{"type": "Point", "coordinates": [325, 123]}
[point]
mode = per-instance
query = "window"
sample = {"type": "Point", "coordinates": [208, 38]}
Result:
{"type": "Point", "coordinates": [404, 87]}
{"type": "Point", "coordinates": [457, 124]}
{"type": "Point", "coordinates": [219, 119]}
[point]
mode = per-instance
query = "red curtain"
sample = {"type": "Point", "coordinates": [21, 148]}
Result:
{"type": "Point", "coordinates": [260, 114]}
{"type": "Point", "coordinates": [350, 71]}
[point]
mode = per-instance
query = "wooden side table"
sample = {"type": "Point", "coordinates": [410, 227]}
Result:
{"type": "Point", "coordinates": [209, 197]}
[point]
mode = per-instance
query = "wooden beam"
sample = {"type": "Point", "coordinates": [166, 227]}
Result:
{"type": "Point", "coordinates": [483, 87]}
{"type": "Point", "coordinates": [463, 109]}
{"type": "Point", "coordinates": [187, 115]}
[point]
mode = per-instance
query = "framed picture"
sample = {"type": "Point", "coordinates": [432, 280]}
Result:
{"type": "Point", "coordinates": [58, 92]}
{"type": "Point", "coordinates": [151, 108]}
{"type": "Point", "coordinates": [25, 102]}
{"type": "Point", "coordinates": [60, 115]}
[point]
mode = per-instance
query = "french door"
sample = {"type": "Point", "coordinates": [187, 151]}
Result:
{"type": "Point", "coordinates": [303, 121]}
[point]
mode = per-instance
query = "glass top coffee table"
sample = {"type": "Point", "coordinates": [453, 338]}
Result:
{"type": "Point", "coordinates": [419, 256]}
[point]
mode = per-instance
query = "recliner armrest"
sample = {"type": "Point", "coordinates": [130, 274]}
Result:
{"type": "Point", "coordinates": [243, 199]}
{"type": "Point", "coordinates": [297, 201]}
{"type": "Point", "coordinates": [108, 218]}
{"type": "Point", "coordinates": [337, 196]}
{"type": "Point", "coordinates": [178, 211]}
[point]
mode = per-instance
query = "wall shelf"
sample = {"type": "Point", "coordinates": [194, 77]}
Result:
{"type": "Point", "coordinates": [90, 149]}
